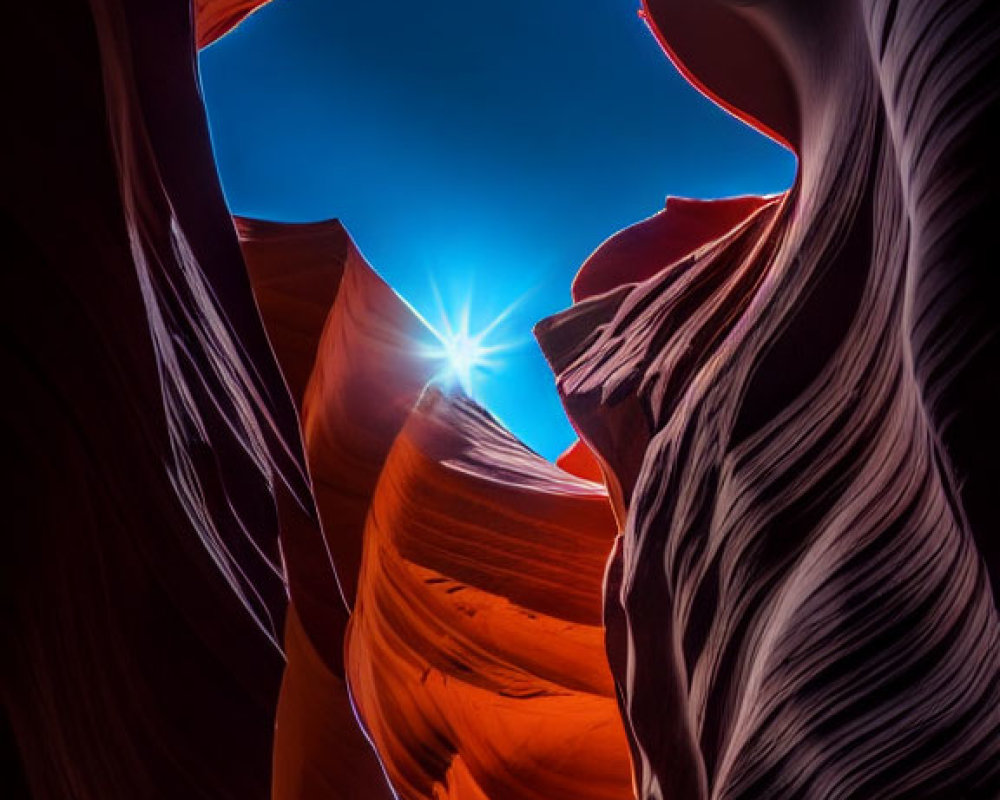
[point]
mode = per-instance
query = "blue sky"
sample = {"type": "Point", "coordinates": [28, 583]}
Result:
{"type": "Point", "coordinates": [483, 149]}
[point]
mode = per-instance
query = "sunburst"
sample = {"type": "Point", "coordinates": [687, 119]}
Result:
{"type": "Point", "coordinates": [465, 355]}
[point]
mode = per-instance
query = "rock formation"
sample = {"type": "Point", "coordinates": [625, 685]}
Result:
{"type": "Point", "coordinates": [315, 293]}
{"type": "Point", "coordinates": [801, 604]}
{"type": "Point", "coordinates": [476, 657]}
{"type": "Point", "coordinates": [215, 18]}
{"type": "Point", "coordinates": [255, 550]}
{"type": "Point", "coordinates": [475, 650]}
{"type": "Point", "coordinates": [149, 430]}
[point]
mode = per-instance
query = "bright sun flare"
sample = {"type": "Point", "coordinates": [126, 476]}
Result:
{"type": "Point", "coordinates": [465, 354]}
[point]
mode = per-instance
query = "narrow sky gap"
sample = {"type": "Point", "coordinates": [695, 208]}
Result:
{"type": "Point", "coordinates": [492, 148]}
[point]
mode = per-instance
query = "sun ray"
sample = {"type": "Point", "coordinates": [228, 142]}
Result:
{"type": "Point", "coordinates": [465, 354]}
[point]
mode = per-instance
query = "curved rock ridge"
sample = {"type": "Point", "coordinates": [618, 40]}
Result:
{"type": "Point", "coordinates": [718, 47]}
{"type": "Point", "coordinates": [320, 751]}
{"type": "Point", "coordinates": [215, 18]}
{"type": "Point", "coordinates": [295, 270]}
{"type": "Point", "coordinates": [150, 428]}
{"type": "Point", "coordinates": [352, 352]}
{"type": "Point", "coordinates": [579, 460]}
{"type": "Point", "coordinates": [795, 423]}
{"type": "Point", "coordinates": [498, 546]}
{"type": "Point", "coordinates": [349, 347]}
{"type": "Point", "coordinates": [475, 653]}
{"type": "Point", "coordinates": [643, 249]}
{"type": "Point", "coordinates": [368, 374]}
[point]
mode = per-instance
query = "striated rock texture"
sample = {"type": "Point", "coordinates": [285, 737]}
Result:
{"type": "Point", "coordinates": [347, 344]}
{"type": "Point", "coordinates": [475, 652]}
{"type": "Point", "coordinates": [641, 250]}
{"type": "Point", "coordinates": [476, 657]}
{"type": "Point", "coordinates": [157, 454]}
{"type": "Point", "coordinates": [799, 420]}
{"type": "Point", "coordinates": [792, 402]}
{"type": "Point", "coordinates": [148, 429]}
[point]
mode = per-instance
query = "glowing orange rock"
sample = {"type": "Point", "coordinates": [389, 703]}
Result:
{"type": "Point", "coordinates": [367, 377]}
{"type": "Point", "coordinates": [318, 297]}
{"type": "Point", "coordinates": [579, 460]}
{"type": "Point", "coordinates": [319, 750]}
{"type": "Point", "coordinates": [215, 18]}
{"type": "Point", "coordinates": [475, 651]}
{"type": "Point", "coordinates": [349, 347]}
{"type": "Point", "coordinates": [512, 572]}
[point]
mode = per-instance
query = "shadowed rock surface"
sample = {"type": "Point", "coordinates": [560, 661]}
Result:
{"type": "Point", "coordinates": [792, 402]}
{"type": "Point", "coordinates": [801, 602]}
{"type": "Point", "coordinates": [347, 343]}
{"type": "Point", "coordinates": [149, 430]}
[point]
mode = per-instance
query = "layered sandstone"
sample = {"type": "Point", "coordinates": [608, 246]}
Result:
{"type": "Point", "coordinates": [801, 604]}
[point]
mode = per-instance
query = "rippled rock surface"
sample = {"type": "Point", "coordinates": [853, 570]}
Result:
{"type": "Point", "coordinates": [473, 567]}
{"type": "Point", "coordinates": [475, 650]}
{"type": "Point", "coordinates": [149, 432]}
{"type": "Point", "coordinates": [255, 550]}
{"type": "Point", "coordinates": [798, 421]}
